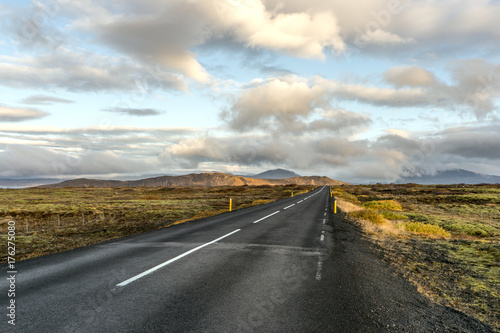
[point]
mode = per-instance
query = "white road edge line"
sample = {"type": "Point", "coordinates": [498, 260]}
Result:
{"type": "Point", "coordinates": [265, 217]}
{"type": "Point", "coordinates": [289, 206]}
{"type": "Point", "coordinates": [300, 201]}
{"type": "Point", "coordinates": [151, 270]}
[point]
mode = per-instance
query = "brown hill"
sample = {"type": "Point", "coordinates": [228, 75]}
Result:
{"type": "Point", "coordinates": [200, 179]}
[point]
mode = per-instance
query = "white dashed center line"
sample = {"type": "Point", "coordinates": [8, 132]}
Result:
{"type": "Point", "coordinates": [151, 270]}
{"type": "Point", "coordinates": [265, 217]}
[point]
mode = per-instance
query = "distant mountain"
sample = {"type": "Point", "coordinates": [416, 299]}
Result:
{"type": "Point", "coordinates": [201, 179]}
{"type": "Point", "coordinates": [20, 183]}
{"type": "Point", "coordinates": [276, 174]}
{"type": "Point", "coordinates": [453, 176]}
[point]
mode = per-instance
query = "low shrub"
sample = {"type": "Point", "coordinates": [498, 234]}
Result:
{"type": "Point", "coordinates": [383, 204]}
{"type": "Point", "coordinates": [424, 228]}
{"type": "Point", "coordinates": [337, 193]}
{"type": "Point", "coordinates": [393, 216]}
{"type": "Point", "coordinates": [471, 229]}
{"type": "Point", "coordinates": [369, 215]}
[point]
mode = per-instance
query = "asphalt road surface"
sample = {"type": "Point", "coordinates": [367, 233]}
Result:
{"type": "Point", "coordinates": [287, 266]}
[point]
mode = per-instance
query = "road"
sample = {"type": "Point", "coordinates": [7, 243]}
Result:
{"type": "Point", "coordinates": [287, 266]}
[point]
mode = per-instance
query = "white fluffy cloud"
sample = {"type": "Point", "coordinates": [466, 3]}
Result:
{"type": "Point", "coordinates": [303, 34]}
{"type": "Point", "coordinates": [403, 27]}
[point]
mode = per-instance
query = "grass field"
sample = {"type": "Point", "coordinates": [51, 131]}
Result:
{"type": "Point", "coordinates": [445, 239]}
{"type": "Point", "coordinates": [54, 220]}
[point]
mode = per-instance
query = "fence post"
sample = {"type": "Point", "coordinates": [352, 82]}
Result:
{"type": "Point", "coordinates": [27, 226]}
{"type": "Point", "coordinates": [58, 220]}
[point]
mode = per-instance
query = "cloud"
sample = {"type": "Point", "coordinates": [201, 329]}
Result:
{"type": "Point", "coordinates": [471, 143]}
{"type": "Point", "coordinates": [452, 148]}
{"type": "Point", "coordinates": [44, 100]}
{"type": "Point", "coordinates": [380, 96]}
{"type": "Point", "coordinates": [30, 27]}
{"type": "Point", "coordinates": [165, 33]}
{"type": "Point", "coordinates": [135, 112]}
{"type": "Point", "coordinates": [409, 76]}
{"type": "Point", "coordinates": [136, 143]}
{"type": "Point", "coordinates": [301, 34]}
{"type": "Point", "coordinates": [476, 86]}
{"type": "Point", "coordinates": [163, 36]}
{"type": "Point", "coordinates": [282, 99]}
{"type": "Point", "coordinates": [78, 72]}
{"type": "Point", "coordinates": [320, 154]}
{"type": "Point", "coordinates": [409, 27]}
{"type": "Point", "coordinates": [382, 37]}
{"type": "Point", "coordinates": [107, 130]}
{"type": "Point", "coordinates": [28, 161]}
{"type": "Point", "coordinates": [290, 102]}
{"type": "Point", "coordinates": [14, 114]}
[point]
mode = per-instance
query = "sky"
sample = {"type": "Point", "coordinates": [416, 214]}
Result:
{"type": "Point", "coordinates": [360, 91]}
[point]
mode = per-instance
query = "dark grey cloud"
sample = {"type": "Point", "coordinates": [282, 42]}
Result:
{"type": "Point", "coordinates": [471, 144]}
{"type": "Point", "coordinates": [135, 111]}
{"type": "Point", "coordinates": [452, 148]}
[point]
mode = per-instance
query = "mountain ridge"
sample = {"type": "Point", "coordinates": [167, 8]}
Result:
{"type": "Point", "coordinates": [451, 176]}
{"type": "Point", "coordinates": [196, 179]}
{"type": "Point", "coordinates": [275, 174]}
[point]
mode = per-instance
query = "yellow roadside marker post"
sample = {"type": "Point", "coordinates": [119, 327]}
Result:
{"type": "Point", "coordinates": [230, 204]}
{"type": "Point", "coordinates": [335, 207]}
{"type": "Point", "coordinates": [292, 194]}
